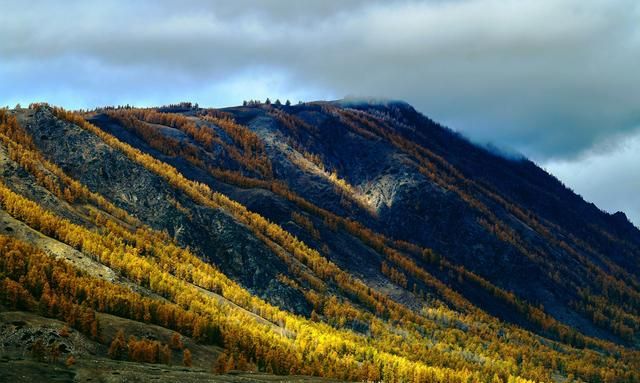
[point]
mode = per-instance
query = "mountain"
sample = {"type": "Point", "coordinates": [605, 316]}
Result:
{"type": "Point", "coordinates": [350, 240]}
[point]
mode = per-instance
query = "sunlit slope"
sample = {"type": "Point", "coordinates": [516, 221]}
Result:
{"type": "Point", "coordinates": [234, 229]}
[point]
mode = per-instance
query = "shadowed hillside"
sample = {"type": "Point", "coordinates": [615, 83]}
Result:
{"type": "Point", "coordinates": [346, 240]}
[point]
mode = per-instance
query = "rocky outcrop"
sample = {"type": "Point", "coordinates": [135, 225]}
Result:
{"type": "Point", "coordinates": [213, 234]}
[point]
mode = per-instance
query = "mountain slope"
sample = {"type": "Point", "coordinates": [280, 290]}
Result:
{"type": "Point", "coordinates": [394, 248]}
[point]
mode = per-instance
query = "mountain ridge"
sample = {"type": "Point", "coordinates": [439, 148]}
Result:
{"type": "Point", "coordinates": [332, 211]}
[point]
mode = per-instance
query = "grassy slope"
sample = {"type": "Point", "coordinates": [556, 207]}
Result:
{"type": "Point", "coordinates": [19, 329]}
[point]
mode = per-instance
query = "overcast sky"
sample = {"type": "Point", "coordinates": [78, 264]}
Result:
{"type": "Point", "coordinates": [557, 80]}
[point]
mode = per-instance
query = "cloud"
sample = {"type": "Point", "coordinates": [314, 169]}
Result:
{"type": "Point", "coordinates": [549, 78]}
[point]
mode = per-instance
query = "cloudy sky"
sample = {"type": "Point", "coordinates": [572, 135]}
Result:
{"type": "Point", "coordinates": [557, 80]}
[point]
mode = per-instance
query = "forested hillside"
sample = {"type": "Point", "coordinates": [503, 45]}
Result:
{"type": "Point", "coordinates": [355, 241]}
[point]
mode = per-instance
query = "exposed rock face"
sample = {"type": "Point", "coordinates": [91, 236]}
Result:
{"type": "Point", "coordinates": [212, 233]}
{"type": "Point", "coordinates": [416, 209]}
